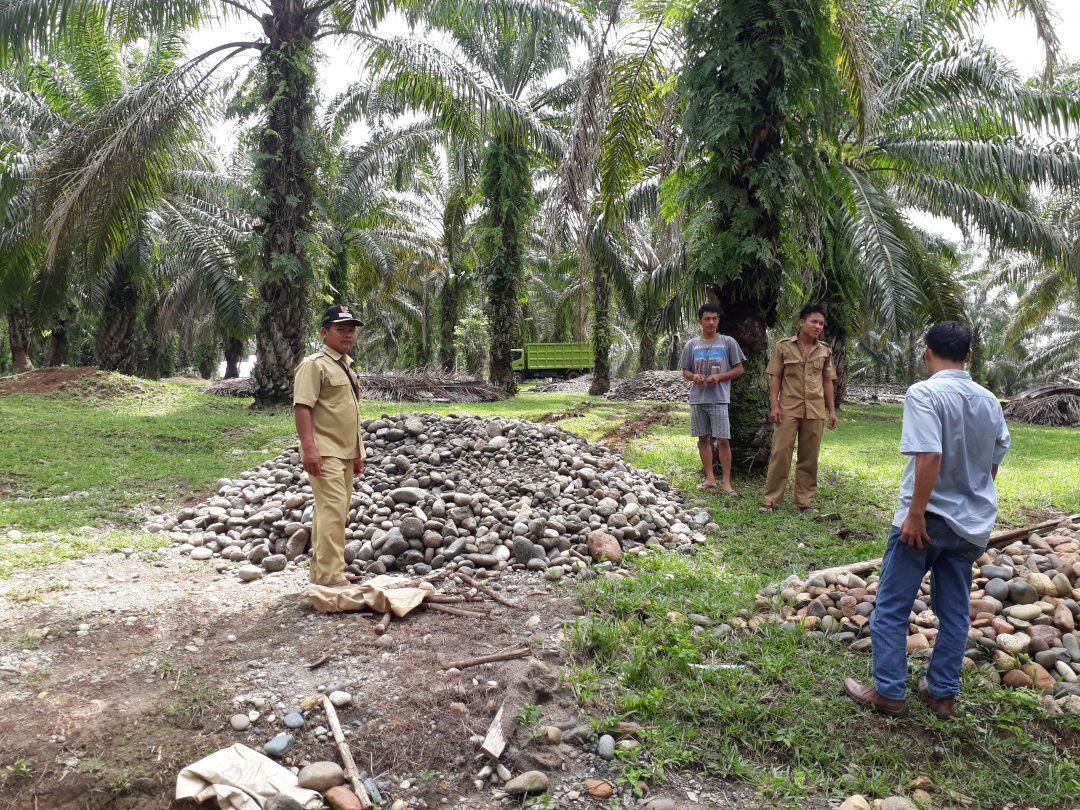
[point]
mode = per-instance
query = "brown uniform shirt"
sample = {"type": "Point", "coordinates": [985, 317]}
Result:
{"type": "Point", "coordinates": [326, 388]}
{"type": "Point", "coordinates": [802, 379]}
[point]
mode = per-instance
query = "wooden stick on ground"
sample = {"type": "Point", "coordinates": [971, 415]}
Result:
{"type": "Point", "coordinates": [996, 539]}
{"type": "Point", "coordinates": [383, 624]}
{"type": "Point", "coordinates": [519, 652]}
{"type": "Point", "coordinates": [453, 611]}
{"type": "Point", "coordinates": [346, 756]}
{"type": "Point", "coordinates": [498, 597]}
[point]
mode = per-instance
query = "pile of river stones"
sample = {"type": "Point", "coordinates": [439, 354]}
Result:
{"type": "Point", "coordinates": [1025, 611]}
{"type": "Point", "coordinates": [459, 491]}
{"type": "Point", "coordinates": [660, 386]}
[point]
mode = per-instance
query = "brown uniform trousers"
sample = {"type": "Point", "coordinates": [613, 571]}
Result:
{"type": "Point", "coordinates": [802, 401]}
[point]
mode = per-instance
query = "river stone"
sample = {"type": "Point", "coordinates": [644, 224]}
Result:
{"type": "Point", "coordinates": [1013, 643]}
{"type": "Point", "coordinates": [1021, 592]}
{"type": "Point", "coordinates": [280, 745]}
{"type": "Point", "coordinates": [523, 550]}
{"type": "Point", "coordinates": [341, 798]}
{"type": "Point", "coordinates": [855, 802]}
{"type": "Point", "coordinates": [201, 553]}
{"type": "Point", "coordinates": [1063, 619]}
{"type": "Point", "coordinates": [412, 527]}
{"type": "Point", "coordinates": [240, 722]}
{"type": "Point", "coordinates": [603, 546]}
{"type": "Point", "coordinates": [896, 803]}
{"type": "Point", "coordinates": [1042, 679]}
{"type": "Point", "coordinates": [408, 495]}
{"type": "Point", "coordinates": [293, 720]}
{"type": "Point", "coordinates": [1071, 643]}
{"type": "Point", "coordinates": [250, 573]}
{"type": "Point", "coordinates": [1043, 584]}
{"type": "Point", "coordinates": [340, 698]}
{"type": "Point", "coordinates": [996, 572]}
{"type": "Point", "coordinates": [1061, 584]}
{"type": "Point", "coordinates": [605, 746]}
{"type": "Point", "coordinates": [528, 782]}
{"type": "Point", "coordinates": [275, 562]}
{"type": "Point", "coordinates": [1017, 679]}
{"type": "Point", "coordinates": [321, 776]}
{"type": "Point", "coordinates": [282, 802]}
{"type": "Point", "coordinates": [1027, 613]}
{"type": "Point", "coordinates": [998, 589]}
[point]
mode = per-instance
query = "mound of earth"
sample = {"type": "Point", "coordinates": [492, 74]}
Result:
{"type": "Point", "coordinates": [578, 385]}
{"type": "Point", "coordinates": [661, 386]}
{"type": "Point", "coordinates": [79, 381]}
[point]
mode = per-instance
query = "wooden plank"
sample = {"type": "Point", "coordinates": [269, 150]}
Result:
{"type": "Point", "coordinates": [494, 741]}
{"type": "Point", "coordinates": [996, 539]}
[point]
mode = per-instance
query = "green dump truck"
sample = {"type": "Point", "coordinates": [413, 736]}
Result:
{"type": "Point", "coordinates": [567, 360]}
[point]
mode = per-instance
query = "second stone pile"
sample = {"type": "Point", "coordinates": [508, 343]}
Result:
{"type": "Point", "coordinates": [1025, 611]}
{"type": "Point", "coordinates": [454, 490]}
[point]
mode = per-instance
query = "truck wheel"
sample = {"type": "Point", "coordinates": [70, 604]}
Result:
{"type": "Point", "coordinates": [573, 375]}
{"type": "Point", "coordinates": [518, 378]}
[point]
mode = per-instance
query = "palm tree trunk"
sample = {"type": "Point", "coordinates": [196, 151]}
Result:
{"type": "Point", "coordinates": [286, 171]}
{"type": "Point", "coordinates": [647, 350]}
{"type": "Point", "coordinates": [742, 318]}
{"type": "Point", "coordinates": [910, 359]}
{"type": "Point", "coordinates": [674, 353]}
{"type": "Point", "coordinates": [840, 365]}
{"type": "Point", "coordinates": [978, 357]}
{"type": "Point", "coordinates": [425, 327]}
{"type": "Point", "coordinates": [234, 353]}
{"type": "Point", "coordinates": [58, 342]}
{"type": "Point", "coordinates": [601, 331]}
{"type": "Point", "coordinates": [449, 301]}
{"type": "Point", "coordinates": [506, 186]}
{"type": "Point", "coordinates": [114, 344]}
{"type": "Point", "coordinates": [19, 337]}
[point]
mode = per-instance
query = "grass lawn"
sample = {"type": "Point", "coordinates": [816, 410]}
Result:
{"type": "Point", "coordinates": [777, 720]}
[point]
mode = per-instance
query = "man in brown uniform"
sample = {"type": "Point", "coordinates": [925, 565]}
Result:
{"type": "Point", "coordinates": [326, 406]}
{"type": "Point", "coordinates": [800, 398]}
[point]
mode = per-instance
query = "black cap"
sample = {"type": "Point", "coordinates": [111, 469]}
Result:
{"type": "Point", "coordinates": [339, 313]}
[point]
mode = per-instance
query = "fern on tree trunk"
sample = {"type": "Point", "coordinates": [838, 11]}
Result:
{"type": "Point", "coordinates": [285, 169]}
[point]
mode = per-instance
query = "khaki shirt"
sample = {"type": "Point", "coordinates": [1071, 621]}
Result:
{"type": "Point", "coordinates": [802, 379]}
{"type": "Point", "coordinates": [322, 385]}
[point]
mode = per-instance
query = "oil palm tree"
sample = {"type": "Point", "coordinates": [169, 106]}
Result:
{"type": "Point", "coordinates": [491, 92]}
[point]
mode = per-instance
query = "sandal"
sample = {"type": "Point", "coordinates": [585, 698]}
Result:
{"type": "Point", "coordinates": [807, 509]}
{"type": "Point", "coordinates": [706, 485]}
{"type": "Point", "coordinates": [766, 507]}
{"type": "Point", "coordinates": [731, 493]}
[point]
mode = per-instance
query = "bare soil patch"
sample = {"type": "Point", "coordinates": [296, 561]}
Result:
{"type": "Point", "coordinates": [619, 437]}
{"type": "Point", "coordinates": [45, 381]}
{"type": "Point", "coordinates": [105, 717]}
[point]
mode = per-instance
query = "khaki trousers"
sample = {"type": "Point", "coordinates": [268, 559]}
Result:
{"type": "Point", "coordinates": [808, 432]}
{"type": "Point", "coordinates": [333, 492]}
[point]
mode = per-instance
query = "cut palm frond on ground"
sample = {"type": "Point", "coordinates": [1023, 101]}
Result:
{"type": "Point", "coordinates": [1053, 405]}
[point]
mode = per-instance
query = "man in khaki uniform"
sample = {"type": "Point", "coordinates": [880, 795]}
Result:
{"type": "Point", "coordinates": [800, 399]}
{"type": "Point", "coordinates": [326, 406]}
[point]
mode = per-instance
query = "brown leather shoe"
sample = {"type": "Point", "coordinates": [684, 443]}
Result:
{"type": "Point", "coordinates": [944, 708]}
{"type": "Point", "coordinates": [868, 696]}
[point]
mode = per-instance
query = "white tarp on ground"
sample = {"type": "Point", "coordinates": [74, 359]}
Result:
{"type": "Point", "coordinates": [240, 778]}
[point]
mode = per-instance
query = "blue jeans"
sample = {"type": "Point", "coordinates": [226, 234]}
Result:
{"type": "Point", "coordinates": [948, 557]}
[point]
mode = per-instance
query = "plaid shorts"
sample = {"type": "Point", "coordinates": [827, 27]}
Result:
{"type": "Point", "coordinates": [710, 419]}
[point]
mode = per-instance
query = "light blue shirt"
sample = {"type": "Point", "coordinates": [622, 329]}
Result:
{"type": "Point", "coordinates": [953, 415]}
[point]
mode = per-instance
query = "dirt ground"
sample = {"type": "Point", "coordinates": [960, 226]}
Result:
{"type": "Point", "coordinates": [144, 661]}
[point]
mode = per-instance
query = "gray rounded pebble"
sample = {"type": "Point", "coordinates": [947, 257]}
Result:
{"type": "Point", "coordinates": [240, 722]}
{"type": "Point", "coordinates": [294, 720]}
{"type": "Point", "coordinates": [280, 745]}
{"type": "Point", "coordinates": [606, 747]}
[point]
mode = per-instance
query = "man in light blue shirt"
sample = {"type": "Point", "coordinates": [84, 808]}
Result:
{"type": "Point", "coordinates": [955, 436]}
